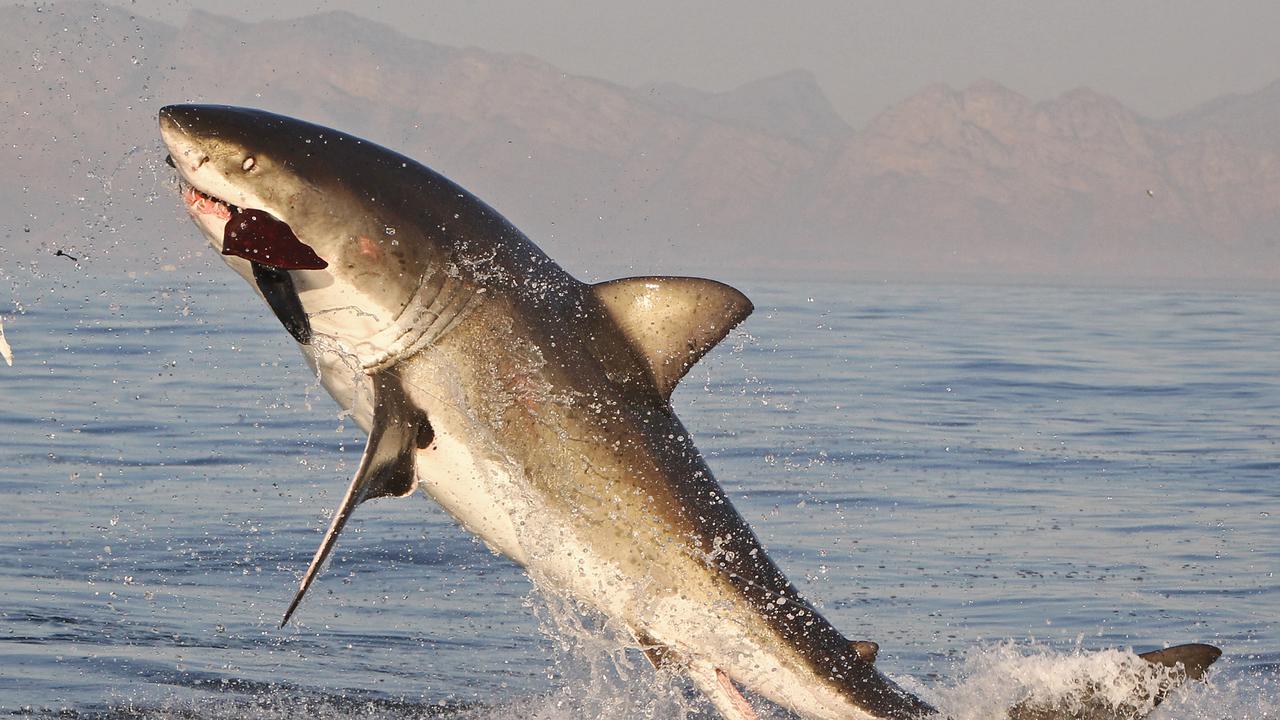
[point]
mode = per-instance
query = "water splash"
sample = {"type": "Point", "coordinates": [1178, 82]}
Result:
{"type": "Point", "coordinates": [993, 679]}
{"type": "Point", "coordinates": [597, 671]}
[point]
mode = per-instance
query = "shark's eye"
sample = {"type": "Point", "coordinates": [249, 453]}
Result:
{"type": "Point", "coordinates": [247, 165]}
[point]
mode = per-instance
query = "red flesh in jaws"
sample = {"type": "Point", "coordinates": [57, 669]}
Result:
{"type": "Point", "coordinates": [255, 235]}
{"type": "Point", "coordinates": [202, 204]}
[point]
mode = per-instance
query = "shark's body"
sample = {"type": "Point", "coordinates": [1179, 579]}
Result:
{"type": "Point", "coordinates": [532, 406]}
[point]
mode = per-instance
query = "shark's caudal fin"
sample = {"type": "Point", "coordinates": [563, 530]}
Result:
{"type": "Point", "coordinates": [386, 469]}
{"type": "Point", "coordinates": [673, 321]}
{"type": "Point", "coordinates": [1168, 669]}
{"type": "Point", "coordinates": [1192, 659]}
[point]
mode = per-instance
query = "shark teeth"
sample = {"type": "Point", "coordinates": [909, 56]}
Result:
{"type": "Point", "coordinates": [204, 203]}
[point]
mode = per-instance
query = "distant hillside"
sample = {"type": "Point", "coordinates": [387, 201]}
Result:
{"type": "Point", "coordinates": [763, 179]}
{"type": "Point", "coordinates": [1249, 120]}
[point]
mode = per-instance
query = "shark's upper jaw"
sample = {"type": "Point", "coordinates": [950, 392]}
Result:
{"type": "Point", "coordinates": [207, 209]}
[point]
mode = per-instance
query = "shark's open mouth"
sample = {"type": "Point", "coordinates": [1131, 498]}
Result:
{"type": "Point", "coordinates": [253, 234]}
{"type": "Point", "coordinates": [203, 204]}
{"type": "Point", "coordinates": [270, 246]}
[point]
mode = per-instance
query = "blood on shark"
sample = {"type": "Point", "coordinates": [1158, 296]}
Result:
{"type": "Point", "coordinates": [533, 407]}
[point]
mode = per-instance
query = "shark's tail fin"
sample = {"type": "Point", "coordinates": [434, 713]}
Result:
{"type": "Point", "coordinates": [1166, 670]}
{"type": "Point", "coordinates": [1192, 660]}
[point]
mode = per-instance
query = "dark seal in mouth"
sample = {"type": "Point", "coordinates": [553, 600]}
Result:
{"type": "Point", "coordinates": [273, 250]}
{"type": "Point", "coordinates": [257, 236]}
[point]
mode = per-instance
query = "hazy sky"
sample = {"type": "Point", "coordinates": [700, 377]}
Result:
{"type": "Point", "coordinates": [1158, 57]}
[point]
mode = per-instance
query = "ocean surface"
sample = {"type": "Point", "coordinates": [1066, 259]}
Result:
{"type": "Point", "coordinates": [994, 483]}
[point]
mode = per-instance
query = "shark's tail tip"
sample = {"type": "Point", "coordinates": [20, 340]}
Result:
{"type": "Point", "coordinates": [1195, 658]}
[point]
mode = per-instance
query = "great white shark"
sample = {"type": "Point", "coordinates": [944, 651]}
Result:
{"type": "Point", "coordinates": [535, 408]}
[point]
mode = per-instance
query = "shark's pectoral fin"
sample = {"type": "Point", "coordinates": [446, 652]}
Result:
{"type": "Point", "coordinates": [673, 321]}
{"type": "Point", "coordinates": [386, 469]}
{"type": "Point", "coordinates": [277, 289]}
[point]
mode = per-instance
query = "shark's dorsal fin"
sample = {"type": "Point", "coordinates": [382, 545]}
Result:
{"type": "Point", "coordinates": [386, 468]}
{"type": "Point", "coordinates": [672, 321]}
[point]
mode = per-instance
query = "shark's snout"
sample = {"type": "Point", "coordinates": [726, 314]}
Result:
{"type": "Point", "coordinates": [173, 118]}
{"type": "Point", "coordinates": [176, 122]}
{"type": "Point", "coordinates": [171, 124]}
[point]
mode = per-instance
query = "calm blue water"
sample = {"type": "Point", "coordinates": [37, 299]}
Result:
{"type": "Point", "coordinates": [988, 481]}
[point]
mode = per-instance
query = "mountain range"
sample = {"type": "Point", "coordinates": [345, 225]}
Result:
{"type": "Point", "coordinates": [762, 180]}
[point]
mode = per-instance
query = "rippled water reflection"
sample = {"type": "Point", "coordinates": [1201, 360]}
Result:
{"type": "Point", "coordinates": [975, 477]}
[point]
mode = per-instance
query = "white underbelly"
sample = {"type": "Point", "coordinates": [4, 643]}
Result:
{"type": "Point", "coordinates": [471, 483]}
{"type": "Point", "coordinates": [475, 490]}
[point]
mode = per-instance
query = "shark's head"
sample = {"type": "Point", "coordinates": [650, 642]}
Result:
{"type": "Point", "coordinates": [229, 159]}
{"type": "Point", "coordinates": [310, 216]}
